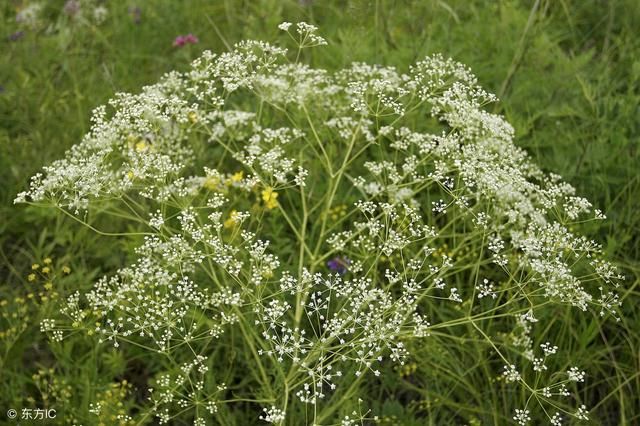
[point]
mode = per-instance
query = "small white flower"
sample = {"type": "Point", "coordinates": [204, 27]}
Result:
{"type": "Point", "coordinates": [522, 417]}
{"type": "Point", "coordinates": [273, 415]}
{"type": "Point", "coordinates": [511, 374]}
{"type": "Point", "coordinates": [575, 374]}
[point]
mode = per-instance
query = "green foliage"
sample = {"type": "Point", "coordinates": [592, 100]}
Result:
{"type": "Point", "coordinates": [567, 73]}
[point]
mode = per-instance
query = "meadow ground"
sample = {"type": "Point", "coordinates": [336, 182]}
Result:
{"type": "Point", "coordinates": [567, 73]}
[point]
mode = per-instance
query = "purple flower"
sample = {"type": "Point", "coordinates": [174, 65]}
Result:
{"type": "Point", "coordinates": [136, 14]}
{"type": "Point", "coordinates": [190, 38]}
{"type": "Point", "coordinates": [16, 36]}
{"type": "Point", "coordinates": [182, 40]}
{"type": "Point", "coordinates": [72, 7]}
{"type": "Point", "coordinates": [339, 264]}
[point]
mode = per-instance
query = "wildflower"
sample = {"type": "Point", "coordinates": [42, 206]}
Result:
{"type": "Point", "coordinates": [522, 417]}
{"type": "Point", "coordinates": [142, 146]}
{"type": "Point", "coordinates": [337, 212]}
{"type": "Point", "coordinates": [100, 14]}
{"type": "Point", "coordinates": [232, 220]}
{"type": "Point", "coordinates": [454, 295]}
{"type": "Point", "coordinates": [156, 220]}
{"type": "Point", "coordinates": [16, 36]}
{"type": "Point", "coordinates": [548, 349]}
{"type": "Point", "coordinates": [211, 183]}
{"type": "Point", "coordinates": [339, 264]}
{"type": "Point", "coordinates": [273, 415]}
{"type": "Point", "coordinates": [136, 14]}
{"type": "Point", "coordinates": [308, 35]}
{"type": "Point", "coordinates": [71, 8]}
{"type": "Point", "coordinates": [66, 270]}
{"type": "Point", "coordinates": [269, 196]}
{"type": "Point", "coordinates": [486, 289]}
{"type": "Point", "coordinates": [582, 413]}
{"type": "Point", "coordinates": [575, 375]}
{"type": "Point", "coordinates": [47, 261]}
{"type": "Point", "coordinates": [393, 204]}
{"type": "Point", "coordinates": [30, 15]}
{"type": "Point", "coordinates": [183, 40]}
{"type": "Point", "coordinates": [511, 374]}
{"type": "Point", "coordinates": [31, 277]}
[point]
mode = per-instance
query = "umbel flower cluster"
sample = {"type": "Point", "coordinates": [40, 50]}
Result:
{"type": "Point", "coordinates": [31, 15]}
{"type": "Point", "coordinates": [292, 223]}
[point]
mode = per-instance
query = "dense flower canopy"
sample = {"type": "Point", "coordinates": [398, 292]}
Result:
{"type": "Point", "coordinates": [308, 208]}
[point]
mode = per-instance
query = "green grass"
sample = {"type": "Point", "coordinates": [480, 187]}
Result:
{"type": "Point", "coordinates": [567, 73]}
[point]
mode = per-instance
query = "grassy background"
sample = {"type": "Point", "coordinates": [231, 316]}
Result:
{"type": "Point", "coordinates": [567, 73]}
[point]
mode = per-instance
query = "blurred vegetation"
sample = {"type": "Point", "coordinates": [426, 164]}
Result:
{"type": "Point", "coordinates": [568, 76]}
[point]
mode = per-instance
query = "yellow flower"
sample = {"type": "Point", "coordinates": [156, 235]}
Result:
{"type": "Point", "coordinates": [48, 286]}
{"type": "Point", "coordinates": [193, 116]}
{"type": "Point", "coordinates": [336, 212]}
{"type": "Point", "coordinates": [141, 146]}
{"type": "Point", "coordinates": [131, 140]}
{"type": "Point", "coordinates": [269, 196]}
{"type": "Point", "coordinates": [211, 183]}
{"type": "Point", "coordinates": [233, 219]}
{"type": "Point", "coordinates": [130, 174]}
{"type": "Point", "coordinates": [45, 270]}
{"type": "Point", "coordinates": [66, 269]}
{"type": "Point", "coordinates": [31, 277]}
{"type": "Point", "coordinates": [237, 176]}
{"type": "Point", "coordinates": [47, 261]}
{"type": "Point", "coordinates": [35, 266]}
{"type": "Point", "coordinates": [407, 369]}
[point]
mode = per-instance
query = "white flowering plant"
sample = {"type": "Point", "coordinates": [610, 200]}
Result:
{"type": "Point", "coordinates": [300, 233]}
{"type": "Point", "coordinates": [39, 15]}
